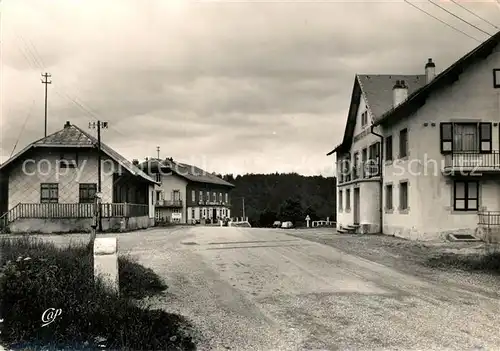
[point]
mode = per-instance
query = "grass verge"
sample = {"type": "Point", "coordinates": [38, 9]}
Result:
{"type": "Point", "coordinates": [489, 262]}
{"type": "Point", "coordinates": [36, 276]}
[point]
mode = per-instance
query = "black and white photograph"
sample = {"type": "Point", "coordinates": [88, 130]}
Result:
{"type": "Point", "coordinates": [249, 175]}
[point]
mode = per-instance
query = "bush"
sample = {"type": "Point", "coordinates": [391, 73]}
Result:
{"type": "Point", "coordinates": [137, 281]}
{"type": "Point", "coordinates": [487, 263]}
{"type": "Point", "coordinates": [36, 276]}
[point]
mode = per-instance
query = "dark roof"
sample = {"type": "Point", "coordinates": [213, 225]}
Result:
{"type": "Point", "coordinates": [189, 172]}
{"type": "Point", "coordinates": [447, 77]}
{"type": "Point", "coordinates": [377, 90]}
{"type": "Point", "coordinates": [72, 136]}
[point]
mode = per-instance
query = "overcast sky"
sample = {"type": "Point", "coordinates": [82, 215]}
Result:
{"type": "Point", "coordinates": [229, 86]}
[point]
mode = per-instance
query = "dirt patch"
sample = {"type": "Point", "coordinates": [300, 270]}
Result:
{"type": "Point", "coordinates": [457, 262]}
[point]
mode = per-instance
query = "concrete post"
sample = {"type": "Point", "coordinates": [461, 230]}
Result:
{"type": "Point", "coordinates": [106, 262]}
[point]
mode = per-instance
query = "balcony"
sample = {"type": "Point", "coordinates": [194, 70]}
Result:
{"type": "Point", "coordinates": [169, 203]}
{"type": "Point", "coordinates": [472, 163]}
{"type": "Point", "coordinates": [366, 171]}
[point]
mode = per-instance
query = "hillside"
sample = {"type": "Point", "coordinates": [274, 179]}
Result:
{"type": "Point", "coordinates": [270, 197]}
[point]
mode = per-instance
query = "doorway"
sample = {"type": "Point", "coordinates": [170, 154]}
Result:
{"type": "Point", "coordinates": [214, 215]}
{"type": "Point", "coordinates": [356, 206]}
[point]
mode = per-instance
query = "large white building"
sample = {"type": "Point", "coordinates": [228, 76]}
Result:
{"type": "Point", "coordinates": [438, 171]}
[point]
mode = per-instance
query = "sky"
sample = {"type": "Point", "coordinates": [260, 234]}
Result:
{"type": "Point", "coordinates": [230, 86]}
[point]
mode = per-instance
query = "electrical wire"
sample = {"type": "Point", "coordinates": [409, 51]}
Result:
{"type": "Point", "coordinates": [443, 22]}
{"type": "Point", "coordinates": [22, 128]}
{"type": "Point", "coordinates": [460, 18]}
{"type": "Point", "coordinates": [475, 14]}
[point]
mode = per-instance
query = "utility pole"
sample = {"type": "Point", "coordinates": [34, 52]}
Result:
{"type": "Point", "coordinates": [46, 82]}
{"type": "Point", "coordinates": [244, 218]}
{"type": "Point", "coordinates": [99, 125]}
{"type": "Point", "coordinates": [158, 151]}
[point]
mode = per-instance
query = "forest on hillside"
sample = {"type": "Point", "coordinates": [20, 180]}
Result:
{"type": "Point", "coordinates": [291, 196]}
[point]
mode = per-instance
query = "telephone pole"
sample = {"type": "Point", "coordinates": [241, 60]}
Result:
{"type": "Point", "coordinates": [244, 218]}
{"type": "Point", "coordinates": [46, 82]}
{"type": "Point", "coordinates": [158, 151]}
{"type": "Point", "coordinates": [98, 125]}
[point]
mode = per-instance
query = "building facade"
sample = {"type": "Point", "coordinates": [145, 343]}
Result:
{"type": "Point", "coordinates": [436, 143]}
{"type": "Point", "coordinates": [188, 194]}
{"type": "Point", "coordinates": [50, 186]}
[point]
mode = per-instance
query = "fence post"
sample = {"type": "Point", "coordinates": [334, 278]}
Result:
{"type": "Point", "coordinates": [106, 262]}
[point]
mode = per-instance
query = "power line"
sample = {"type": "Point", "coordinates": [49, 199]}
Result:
{"type": "Point", "coordinates": [443, 22]}
{"type": "Point", "coordinates": [460, 18]}
{"type": "Point", "coordinates": [22, 128]}
{"type": "Point", "coordinates": [474, 14]}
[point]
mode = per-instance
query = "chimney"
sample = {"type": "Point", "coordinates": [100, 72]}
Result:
{"type": "Point", "coordinates": [135, 162]}
{"type": "Point", "coordinates": [67, 124]}
{"type": "Point", "coordinates": [399, 92]}
{"type": "Point", "coordinates": [430, 71]}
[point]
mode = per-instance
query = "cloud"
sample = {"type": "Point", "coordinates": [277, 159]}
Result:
{"type": "Point", "coordinates": [237, 87]}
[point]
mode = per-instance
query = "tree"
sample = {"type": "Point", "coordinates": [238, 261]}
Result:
{"type": "Point", "coordinates": [267, 218]}
{"type": "Point", "coordinates": [311, 212]}
{"type": "Point", "coordinates": [291, 210]}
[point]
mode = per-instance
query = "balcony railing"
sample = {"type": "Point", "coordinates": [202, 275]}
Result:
{"type": "Point", "coordinates": [473, 161]}
{"type": "Point", "coordinates": [169, 203]}
{"type": "Point", "coordinates": [364, 171]}
{"type": "Point", "coordinates": [489, 218]}
{"type": "Point", "coordinates": [72, 210]}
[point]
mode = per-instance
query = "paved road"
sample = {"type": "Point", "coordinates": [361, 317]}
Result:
{"type": "Point", "coordinates": [260, 289]}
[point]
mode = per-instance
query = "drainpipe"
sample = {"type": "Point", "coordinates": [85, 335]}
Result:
{"type": "Point", "coordinates": [380, 162]}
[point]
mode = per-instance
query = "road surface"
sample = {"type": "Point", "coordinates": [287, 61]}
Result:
{"type": "Point", "coordinates": [260, 289]}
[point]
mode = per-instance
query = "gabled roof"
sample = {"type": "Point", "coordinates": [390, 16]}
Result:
{"type": "Point", "coordinates": [377, 91]}
{"type": "Point", "coordinates": [72, 136]}
{"type": "Point", "coordinates": [447, 77]}
{"type": "Point", "coordinates": [189, 172]}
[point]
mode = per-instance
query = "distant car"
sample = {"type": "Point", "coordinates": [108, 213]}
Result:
{"type": "Point", "coordinates": [287, 224]}
{"type": "Point", "coordinates": [277, 224]}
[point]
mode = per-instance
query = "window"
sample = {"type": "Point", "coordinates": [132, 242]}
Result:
{"type": "Point", "coordinates": [364, 118]}
{"type": "Point", "coordinates": [49, 192]}
{"type": "Point", "coordinates": [158, 177]}
{"type": "Point", "coordinates": [388, 197]}
{"type": "Point", "coordinates": [223, 212]}
{"type": "Point", "coordinates": [496, 78]}
{"type": "Point", "coordinates": [201, 196]}
{"type": "Point", "coordinates": [348, 199]}
{"type": "Point", "coordinates": [204, 213]}
{"type": "Point", "coordinates": [176, 195]}
{"type": "Point", "coordinates": [341, 200]}
{"type": "Point", "coordinates": [465, 137]}
{"type": "Point", "coordinates": [227, 197]}
{"type": "Point", "coordinates": [158, 195]}
{"type": "Point", "coordinates": [356, 165]}
{"type": "Point", "coordinates": [68, 160]}
{"type": "Point", "coordinates": [220, 197]}
{"type": "Point", "coordinates": [466, 196]}
{"type": "Point", "coordinates": [192, 213]}
{"type": "Point", "coordinates": [403, 196]}
{"type": "Point", "coordinates": [403, 143]}
{"type": "Point", "coordinates": [214, 197]}
{"type": "Point", "coordinates": [388, 148]}
{"type": "Point", "coordinates": [87, 192]}
{"type": "Point", "coordinates": [208, 196]}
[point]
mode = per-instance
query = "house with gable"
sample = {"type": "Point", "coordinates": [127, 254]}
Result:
{"type": "Point", "coordinates": [50, 186]}
{"type": "Point", "coordinates": [186, 193]}
{"type": "Point", "coordinates": [434, 168]}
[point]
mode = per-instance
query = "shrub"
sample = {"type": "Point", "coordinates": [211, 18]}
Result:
{"type": "Point", "coordinates": [36, 276]}
{"type": "Point", "coordinates": [137, 281]}
{"type": "Point", "coordinates": [472, 262]}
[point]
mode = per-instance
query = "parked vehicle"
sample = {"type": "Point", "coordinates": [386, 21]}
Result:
{"type": "Point", "coordinates": [287, 224]}
{"type": "Point", "coordinates": [277, 224]}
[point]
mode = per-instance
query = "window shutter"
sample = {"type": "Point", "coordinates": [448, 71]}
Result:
{"type": "Point", "coordinates": [485, 136]}
{"type": "Point", "coordinates": [446, 138]}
